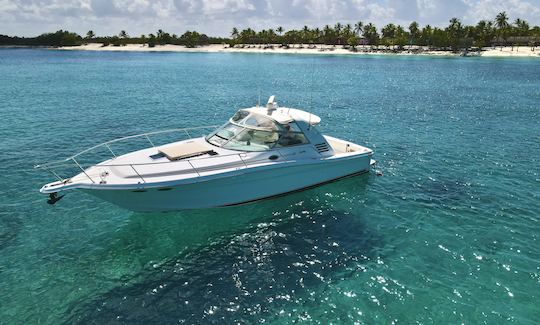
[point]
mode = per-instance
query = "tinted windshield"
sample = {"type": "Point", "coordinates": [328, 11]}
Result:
{"type": "Point", "coordinates": [255, 132]}
{"type": "Point", "coordinates": [256, 121]}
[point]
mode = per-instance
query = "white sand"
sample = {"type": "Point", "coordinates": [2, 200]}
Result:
{"type": "Point", "coordinates": [523, 51]}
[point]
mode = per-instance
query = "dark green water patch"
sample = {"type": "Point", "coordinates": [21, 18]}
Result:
{"type": "Point", "coordinates": [450, 232]}
{"type": "Point", "coordinates": [10, 226]}
{"type": "Point", "coordinates": [244, 277]}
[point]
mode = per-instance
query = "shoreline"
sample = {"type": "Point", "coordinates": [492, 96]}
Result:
{"type": "Point", "coordinates": [522, 51]}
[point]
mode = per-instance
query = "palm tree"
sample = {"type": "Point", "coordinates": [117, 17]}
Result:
{"type": "Point", "coordinates": [163, 38]}
{"type": "Point", "coordinates": [305, 35]}
{"type": "Point", "coordinates": [483, 33]}
{"type": "Point", "coordinates": [123, 35]}
{"type": "Point", "coordinates": [151, 40]}
{"type": "Point", "coordinates": [317, 35]}
{"type": "Point", "coordinates": [522, 27]}
{"type": "Point", "coordinates": [426, 35]}
{"type": "Point", "coordinates": [247, 36]}
{"type": "Point", "coordinates": [414, 31]}
{"type": "Point", "coordinates": [455, 24]}
{"type": "Point", "coordinates": [279, 30]}
{"type": "Point", "coordinates": [160, 34]}
{"type": "Point", "coordinates": [90, 35]}
{"type": "Point", "coordinates": [502, 24]}
{"type": "Point", "coordinates": [328, 34]}
{"type": "Point", "coordinates": [234, 33]}
{"type": "Point", "coordinates": [359, 28]}
{"type": "Point", "coordinates": [389, 31]}
{"type": "Point", "coordinates": [370, 34]}
{"type": "Point", "coordinates": [455, 32]}
{"type": "Point", "coordinates": [401, 37]}
{"type": "Point", "coordinates": [272, 36]}
{"type": "Point", "coordinates": [501, 20]}
{"type": "Point", "coordinates": [337, 30]}
{"type": "Point", "coordinates": [347, 31]}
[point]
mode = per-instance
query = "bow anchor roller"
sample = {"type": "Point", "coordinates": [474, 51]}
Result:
{"type": "Point", "coordinates": [53, 198]}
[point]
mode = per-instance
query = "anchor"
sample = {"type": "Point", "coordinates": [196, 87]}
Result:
{"type": "Point", "coordinates": [53, 198]}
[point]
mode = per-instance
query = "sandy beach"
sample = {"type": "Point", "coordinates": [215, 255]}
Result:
{"type": "Point", "coordinates": [522, 51]}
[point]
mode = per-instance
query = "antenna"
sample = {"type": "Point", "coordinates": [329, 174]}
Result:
{"type": "Point", "coordinates": [311, 89]}
{"type": "Point", "coordinates": [259, 74]}
{"type": "Point", "coordinates": [271, 106]}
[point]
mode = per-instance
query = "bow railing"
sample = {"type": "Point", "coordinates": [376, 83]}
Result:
{"type": "Point", "coordinates": [74, 160]}
{"type": "Point", "coordinates": [239, 159]}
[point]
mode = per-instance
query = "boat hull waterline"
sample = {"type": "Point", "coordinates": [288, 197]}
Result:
{"type": "Point", "coordinates": [244, 186]}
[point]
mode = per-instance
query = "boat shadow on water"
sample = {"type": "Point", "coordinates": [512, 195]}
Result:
{"type": "Point", "coordinates": [276, 258]}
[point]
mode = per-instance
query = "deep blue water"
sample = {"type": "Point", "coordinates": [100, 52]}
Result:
{"type": "Point", "coordinates": [449, 234]}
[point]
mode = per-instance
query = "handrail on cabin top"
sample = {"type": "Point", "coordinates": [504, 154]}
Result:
{"type": "Point", "coordinates": [50, 165]}
{"type": "Point", "coordinates": [72, 159]}
{"type": "Point", "coordinates": [107, 143]}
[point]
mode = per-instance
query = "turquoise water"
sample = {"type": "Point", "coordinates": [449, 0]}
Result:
{"type": "Point", "coordinates": [449, 234]}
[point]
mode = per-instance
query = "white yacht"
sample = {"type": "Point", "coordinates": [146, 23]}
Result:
{"type": "Point", "coordinates": [261, 152]}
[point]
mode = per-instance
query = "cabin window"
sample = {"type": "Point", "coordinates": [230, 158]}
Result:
{"type": "Point", "coordinates": [239, 116]}
{"type": "Point", "coordinates": [259, 121]}
{"type": "Point", "coordinates": [253, 140]}
{"type": "Point", "coordinates": [224, 134]}
{"type": "Point", "coordinates": [293, 127]}
{"type": "Point", "coordinates": [291, 136]}
{"type": "Point", "coordinates": [255, 132]}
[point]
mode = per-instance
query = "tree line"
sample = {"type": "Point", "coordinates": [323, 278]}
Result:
{"type": "Point", "coordinates": [188, 39]}
{"type": "Point", "coordinates": [499, 31]}
{"type": "Point", "coordinates": [455, 36]}
{"type": "Point", "coordinates": [66, 38]}
{"type": "Point", "coordinates": [59, 38]}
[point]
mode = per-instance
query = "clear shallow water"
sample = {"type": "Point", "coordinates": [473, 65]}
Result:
{"type": "Point", "coordinates": [449, 234]}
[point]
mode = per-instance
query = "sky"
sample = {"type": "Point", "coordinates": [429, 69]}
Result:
{"type": "Point", "coordinates": [218, 17]}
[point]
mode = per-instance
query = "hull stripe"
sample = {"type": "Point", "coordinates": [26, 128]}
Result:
{"type": "Point", "coordinates": [297, 190]}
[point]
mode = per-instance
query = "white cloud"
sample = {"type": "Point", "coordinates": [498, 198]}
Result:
{"type": "Point", "coordinates": [322, 8]}
{"type": "Point", "coordinates": [439, 12]}
{"type": "Point", "coordinates": [7, 5]}
{"type": "Point", "coordinates": [222, 7]}
{"type": "Point", "coordinates": [380, 14]}
{"type": "Point", "coordinates": [488, 9]}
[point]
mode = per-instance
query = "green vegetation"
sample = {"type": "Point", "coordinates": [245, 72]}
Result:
{"type": "Point", "coordinates": [456, 36]}
{"type": "Point", "coordinates": [60, 38]}
{"type": "Point", "coordinates": [64, 38]}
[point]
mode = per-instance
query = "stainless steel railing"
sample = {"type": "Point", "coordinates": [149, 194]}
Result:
{"type": "Point", "coordinates": [73, 160]}
{"type": "Point", "coordinates": [51, 166]}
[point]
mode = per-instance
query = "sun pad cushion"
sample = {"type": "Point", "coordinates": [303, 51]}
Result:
{"type": "Point", "coordinates": [184, 150]}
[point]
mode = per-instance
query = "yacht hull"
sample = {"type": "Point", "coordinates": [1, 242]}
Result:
{"type": "Point", "coordinates": [239, 187]}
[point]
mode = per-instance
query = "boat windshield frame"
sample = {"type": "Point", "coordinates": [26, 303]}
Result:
{"type": "Point", "coordinates": [254, 132]}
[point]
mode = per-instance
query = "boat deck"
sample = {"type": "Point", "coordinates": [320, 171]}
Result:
{"type": "Point", "coordinates": [151, 167]}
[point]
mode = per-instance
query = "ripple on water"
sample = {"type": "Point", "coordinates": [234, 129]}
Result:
{"type": "Point", "coordinates": [244, 277]}
{"type": "Point", "coordinates": [10, 226]}
{"type": "Point", "coordinates": [449, 234]}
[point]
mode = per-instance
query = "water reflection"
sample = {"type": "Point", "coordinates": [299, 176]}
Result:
{"type": "Point", "coordinates": [238, 264]}
{"type": "Point", "coordinates": [153, 237]}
